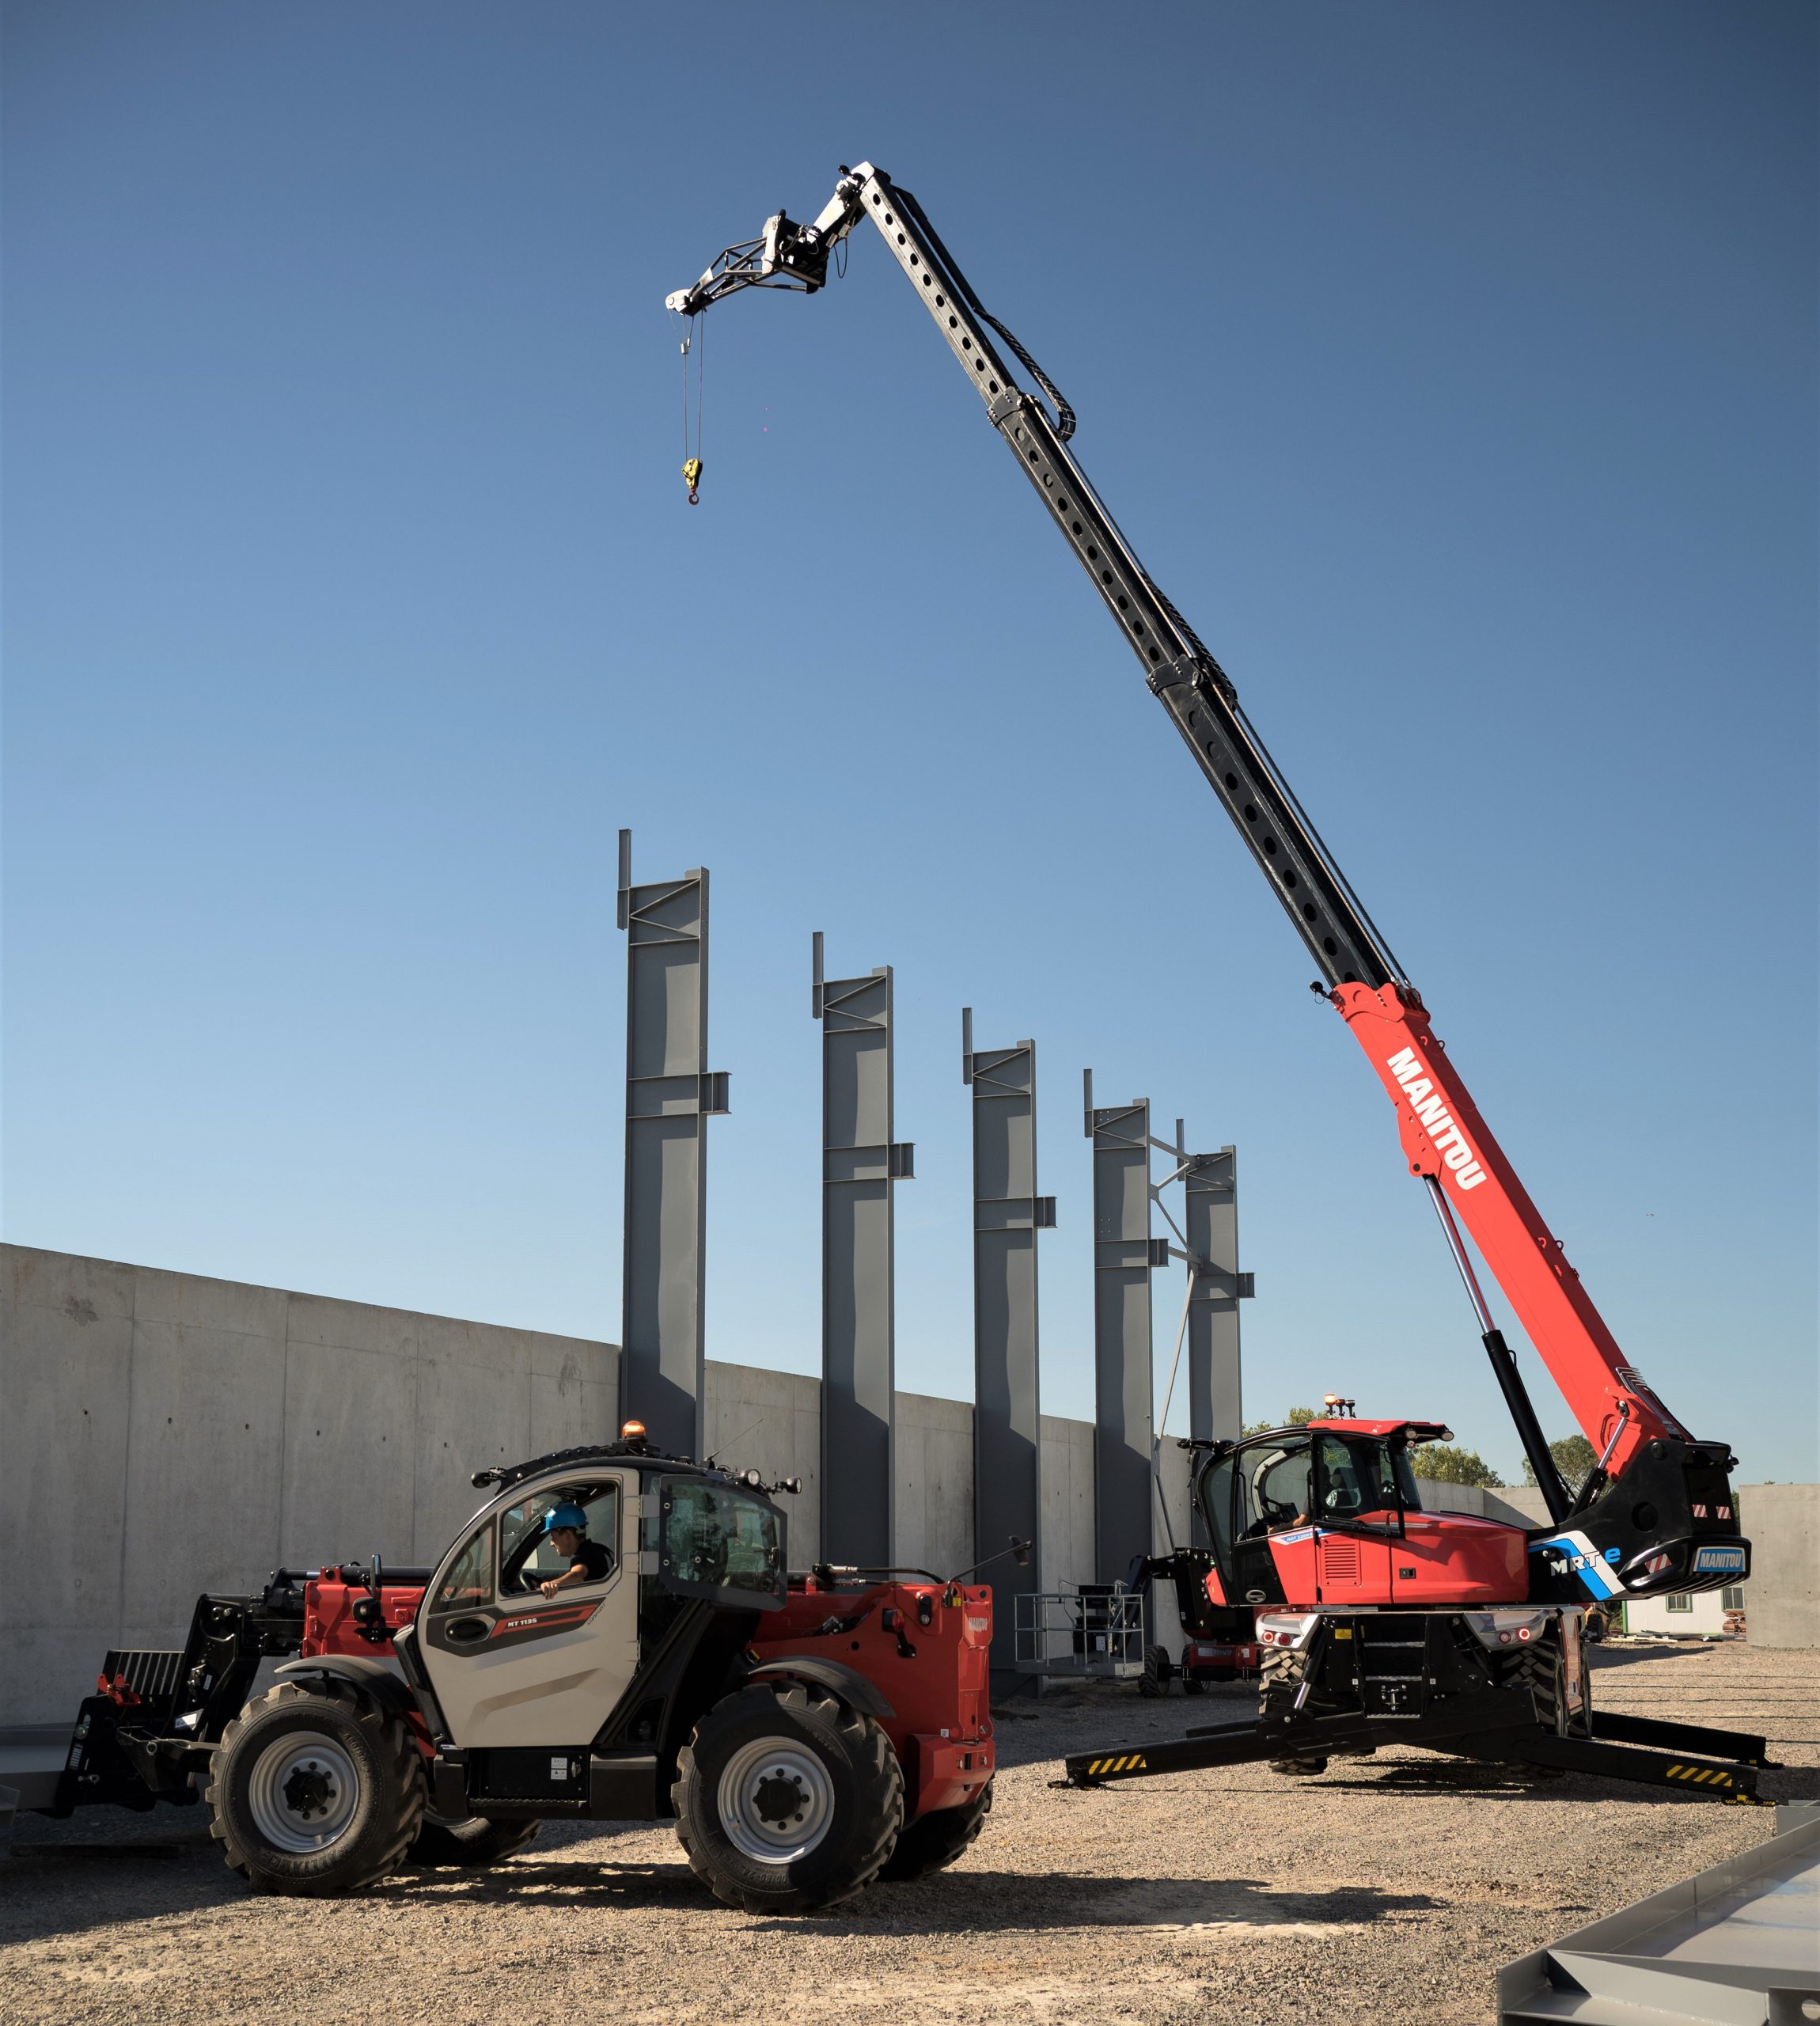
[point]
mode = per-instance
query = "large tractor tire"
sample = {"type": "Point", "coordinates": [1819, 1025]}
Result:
{"type": "Point", "coordinates": [934, 1840]}
{"type": "Point", "coordinates": [471, 1843]}
{"type": "Point", "coordinates": [786, 1801]}
{"type": "Point", "coordinates": [316, 1790]}
{"type": "Point", "coordinates": [1279, 1679]}
{"type": "Point", "coordinates": [1541, 1669]}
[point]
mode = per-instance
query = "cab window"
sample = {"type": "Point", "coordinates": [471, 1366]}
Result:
{"type": "Point", "coordinates": [1359, 1475]}
{"type": "Point", "coordinates": [1274, 1487]}
{"type": "Point", "coordinates": [713, 1538]}
{"type": "Point", "coordinates": [527, 1555]}
{"type": "Point", "coordinates": [469, 1580]}
{"type": "Point", "coordinates": [1342, 1488]}
{"type": "Point", "coordinates": [1216, 1507]}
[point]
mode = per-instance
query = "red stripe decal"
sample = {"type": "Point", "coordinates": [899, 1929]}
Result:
{"type": "Point", "coordinates": [559, 1621]}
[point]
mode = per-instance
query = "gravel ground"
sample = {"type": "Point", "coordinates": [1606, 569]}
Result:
{"type": "Point", "coordinates": [1389, 1890]}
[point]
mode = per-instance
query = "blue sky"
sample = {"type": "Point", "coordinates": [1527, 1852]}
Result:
{"type": "Point", "coordinates": [1454, 369]}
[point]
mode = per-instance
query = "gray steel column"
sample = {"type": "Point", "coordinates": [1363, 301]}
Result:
{"type": "Point", "coordinates": [861, 1165]}
{"type": "Point", "coordinates": [1124, 1254]}
{"type": "Point", "coordinates": [1007, 1411]}
{"type": "Point", "coordinates": [1210, 1218]}
{"type": "Point", "coordinates": [669, 1093]}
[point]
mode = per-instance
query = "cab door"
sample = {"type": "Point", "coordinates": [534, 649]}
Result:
{"type": "Point", "coordinates": [511, 1666]}
{"type": "Point", "coordinates": [1352, 1568]}
{"type": "Point", "coordinates": [1272, 1540]}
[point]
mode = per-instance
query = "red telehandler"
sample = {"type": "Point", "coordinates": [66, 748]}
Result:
{"type": "Point", "coordinates": [809, 1733]}
{"type": "Point", "coordinates": [1379, 1623]}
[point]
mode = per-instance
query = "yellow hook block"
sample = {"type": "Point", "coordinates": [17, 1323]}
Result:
{"type": "Point", "coordinates": [691, 477]}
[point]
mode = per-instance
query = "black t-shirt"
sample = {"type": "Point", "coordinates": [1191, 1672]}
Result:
{"type": "Point", "coordinates": [594, 1560]}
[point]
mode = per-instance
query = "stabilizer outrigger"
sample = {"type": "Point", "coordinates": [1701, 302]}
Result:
{"type": "Point", "coordinates": [1372, 1681]}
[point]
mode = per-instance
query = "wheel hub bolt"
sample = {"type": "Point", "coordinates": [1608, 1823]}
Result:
{"type": "Point", "coordinates": [780, 1798]}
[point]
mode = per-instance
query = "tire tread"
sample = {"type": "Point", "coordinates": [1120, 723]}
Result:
{"type": "Point", "coordinates": [394, 1750]}
{"type": "Point", "coordinates": [880, 1802]}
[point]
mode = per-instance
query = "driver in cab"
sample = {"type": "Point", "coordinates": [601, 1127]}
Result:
{"type": "Point", "coordinates": [590, 1561]}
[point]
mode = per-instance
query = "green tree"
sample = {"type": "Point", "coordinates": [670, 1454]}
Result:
{"type": "Point", "coordinates": [1448, 1464]}
{"type": "Point", "coordinates": [1575, 1458]}
{"type": "Point", "coordinates": [1298, 1418]}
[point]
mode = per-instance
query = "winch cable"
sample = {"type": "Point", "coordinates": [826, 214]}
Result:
{"type": "Point", "coordinates": [963, 288]}
{"type": "Point", "coordinates": [694, 332]}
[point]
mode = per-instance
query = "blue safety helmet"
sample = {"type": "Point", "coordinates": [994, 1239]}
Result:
{"type": "Point", "coordinates": [566, 1514]}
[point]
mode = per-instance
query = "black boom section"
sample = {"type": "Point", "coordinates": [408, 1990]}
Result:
{"type": "Point", "coordinates": [1195, 690]}
{"type": "Point", "coordinates": [1191, 683]}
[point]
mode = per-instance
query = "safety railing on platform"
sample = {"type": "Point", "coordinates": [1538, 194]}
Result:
{"type": "Point", "coordinates": [1096, 1632]}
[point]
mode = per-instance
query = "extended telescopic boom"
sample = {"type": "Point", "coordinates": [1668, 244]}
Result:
{"type": "Point", "coordinates": [1446, 1141]}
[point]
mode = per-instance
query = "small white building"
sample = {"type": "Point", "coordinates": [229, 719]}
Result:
{"type": "Point", "coordinates": [1701, 1614]}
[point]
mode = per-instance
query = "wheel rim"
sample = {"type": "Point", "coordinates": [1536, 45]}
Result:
{"type": "Point", "coordinates": [302, 1791]}
{"type": "Point", "coordinates": [777, 1801]}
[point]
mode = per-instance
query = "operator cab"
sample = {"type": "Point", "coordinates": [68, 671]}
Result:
{"type": "Point", "coordinates": [513, 1668]}
{"type": "Point", "coordinates": [1285, 1484]}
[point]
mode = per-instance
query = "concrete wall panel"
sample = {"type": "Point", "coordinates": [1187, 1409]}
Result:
{"type": "Point", "coordinates": [575, 1392]}
{"type": "Point", "coordinates": [934, 1492]}
{"type": "Point", "coordinates": [469, 1414]}
{"type": "Point", "coordinates": [193, 1301]}
{"type": "Point", "coordinates": [1782, 1598]}
{"type": "Point", "coordinates": [86, 1290]}
{"type": "Point", "coordinates": [770, 1422]}
{"type": "Point", "coordinates": [350, 1325]}
{"type": "Point", "coordinates": [1068, 1502]}
{"type": "Point", "coordinates": [1176, 1467]}
{"type": "Point", "coordinates": [348, 1416]}
{"type": "Point", "coordinates": [63, 1448]}
{"type": "Point", "coordinates": [206, 1458]}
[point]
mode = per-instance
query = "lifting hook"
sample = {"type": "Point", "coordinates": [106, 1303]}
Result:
{"type": "Point", "coordinates": [691, 477]}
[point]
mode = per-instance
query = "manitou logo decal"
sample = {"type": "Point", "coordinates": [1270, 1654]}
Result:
{"type": "Point", "coordinates": [1444, 1136]}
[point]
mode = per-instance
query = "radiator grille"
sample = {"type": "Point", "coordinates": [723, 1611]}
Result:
{"type": "Point", "coordinates": [1342, 1561]}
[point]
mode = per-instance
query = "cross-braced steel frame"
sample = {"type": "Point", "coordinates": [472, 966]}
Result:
{"type": "Point", "coordinates": [1126, 1474]}
{"type": "Point", "coordinates": [1209, 1233]}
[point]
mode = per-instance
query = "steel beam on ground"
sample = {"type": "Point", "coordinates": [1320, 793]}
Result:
{"type": "Point", "coordinates": [1124, 1255]}
{"type": "Point", "coordinates": [670, 1093]}
{"type": "Point", "coordinates": [861, 1167]}
{"type": "Point", "coordinates": [1007, 1412]}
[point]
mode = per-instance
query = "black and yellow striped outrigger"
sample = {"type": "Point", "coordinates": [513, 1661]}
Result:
{"type": "Point", "coordinates": [1711, 1765]}
{"type": "Point", "coordinates": [1131, 1761]}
